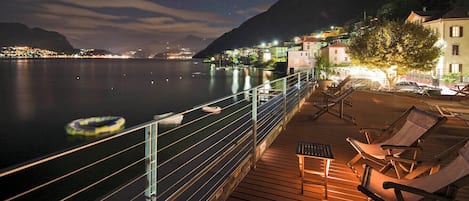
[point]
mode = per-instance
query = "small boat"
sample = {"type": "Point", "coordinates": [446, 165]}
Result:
{"type": "Point", "coordinates": [169, 118]}
{"type": "Point", "coordinates": [211, 109]}
{"type": "Point", "coordinates": [94, 126]}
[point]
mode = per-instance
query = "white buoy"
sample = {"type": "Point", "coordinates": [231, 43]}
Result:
{"type": "Point", "coordinates": [167, 79]}
{"type": "Point", "coordinates": [78, 77]}
{"type": "Point", "coordinates": [152, 82]}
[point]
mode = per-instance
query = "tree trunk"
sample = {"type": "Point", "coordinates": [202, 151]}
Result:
{"type": "Point", "coordinates": [391, 79]}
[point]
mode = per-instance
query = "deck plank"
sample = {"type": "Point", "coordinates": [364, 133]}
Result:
{"type": "Point", "coordinates": [276, 176]}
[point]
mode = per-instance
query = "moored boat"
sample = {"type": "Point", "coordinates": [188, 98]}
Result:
{"type": "Point", "coordinates": [211, 109]}
{"type": "Point", "coordinates": [169, 118]}
{"type": "Point", "coordinates": [94, 126]}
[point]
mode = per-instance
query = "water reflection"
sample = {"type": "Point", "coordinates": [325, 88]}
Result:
{"type": "Point", "coordinates": [24, 99]}
{"type": "Point", "coordinates": [211, 84]}
{"type": "Point", "coordinates": [235, 84]}
{"type": "Point", "coordinates": [247, 83]}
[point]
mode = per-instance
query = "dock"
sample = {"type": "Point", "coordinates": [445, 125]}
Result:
{"type": "Point", "coordinates": [276, 176]}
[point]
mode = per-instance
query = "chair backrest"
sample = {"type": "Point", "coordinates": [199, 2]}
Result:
{"type": "Point", "coordinates": [340, 87]}
{"type": "Point", "coordinates": [344, 82]}
{"type": "Point", "coordinates": [417, 124]}
{"type": "Point", "coordinates": [342, 95]}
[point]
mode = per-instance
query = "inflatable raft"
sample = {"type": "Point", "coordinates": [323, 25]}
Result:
{"type": "Point", "coordinates": [95, 125]}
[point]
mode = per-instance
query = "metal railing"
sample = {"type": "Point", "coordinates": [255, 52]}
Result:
{"type": "Point", "coordinates": [153, 161]}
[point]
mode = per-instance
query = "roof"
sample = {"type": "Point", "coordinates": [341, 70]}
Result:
{"type": "Point", "coordinates": [337, 44]}
{"type": "Point", "coordinates": [311, 39]}
{"type": "Point", "coordinates": [460, 12]}
{"type": "Point", "coordinates": [457, 13]}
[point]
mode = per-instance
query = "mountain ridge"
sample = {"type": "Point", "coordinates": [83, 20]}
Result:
{"type": "Point", "coordinates": [17, 34]}
{"type": "Point", "coordinates": [288, 18]}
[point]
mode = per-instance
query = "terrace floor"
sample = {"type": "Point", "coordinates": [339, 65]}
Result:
{"type": "Point", "coordinates": [276, 176]}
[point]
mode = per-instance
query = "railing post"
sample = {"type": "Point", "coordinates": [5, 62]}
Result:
{"type": "Point", "coordinates": [284, 88]}
{"type": "Point", "coordinates": [299, 90]}
{"type": "Point", "coordinates": [151, 141]}
{"type": "Point", "coordinates": [254, 126]}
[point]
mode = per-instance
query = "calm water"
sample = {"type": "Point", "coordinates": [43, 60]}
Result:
{"type": "Point", "coordinates": [39, 97]}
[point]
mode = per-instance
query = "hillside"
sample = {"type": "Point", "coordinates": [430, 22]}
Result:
{"type": "Point", "coordinates": [16, 34]}
{"type": "Point", "coordinates": [288, 18]}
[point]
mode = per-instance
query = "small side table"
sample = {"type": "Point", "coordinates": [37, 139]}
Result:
{"type": "Point", "coordinates": [315, 151]}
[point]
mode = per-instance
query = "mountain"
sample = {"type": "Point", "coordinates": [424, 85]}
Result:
{"type": "Point", "coordinates": [16, 34]}
{"type": "Point", "coordinates": [288, 18]}
{"type": "Point", "coordinates": [195, 43]}
{"type": "Point", "coordinates": [192, 42]}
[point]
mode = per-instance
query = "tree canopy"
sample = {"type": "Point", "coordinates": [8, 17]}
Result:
{"type": "Point", "coordinates": [403, 46]}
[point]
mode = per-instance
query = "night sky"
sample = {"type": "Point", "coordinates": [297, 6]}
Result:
{"type": "Point", "coordinates": [117, 25]}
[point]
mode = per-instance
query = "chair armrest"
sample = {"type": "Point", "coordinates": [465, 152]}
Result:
{"type": "Point", "coordinates": [369, 193]}
{"type": "Point", "coordinates": [400, 187]}
{"type": "Point", "coordinates": [362, 130]}
{"type": "Point", "coordinates": [405, 160]}
{"type": "Point", "coordinates": [387, 146]}
{"type": "Point", "coordinates": [369, 131]}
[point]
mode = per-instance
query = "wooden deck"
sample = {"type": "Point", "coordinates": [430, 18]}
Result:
{"type": "Point", "coordinates": [276, 176]}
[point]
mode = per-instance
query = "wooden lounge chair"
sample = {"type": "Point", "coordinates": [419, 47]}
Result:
{"type": "Point", "coordinates": [463, 90]}
{"type": "Point", "coordinates": [442, 185]}
{"type": "Point", "coordinates": [433, 165]}
{"type": "Point", "coordinates": [406, 138]}
{"type": "Point", "coordinates": [459, 113]}
{"type": "Point", "coordinates": [326, 106]}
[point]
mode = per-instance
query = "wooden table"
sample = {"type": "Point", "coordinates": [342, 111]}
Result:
{"type": "Point", "coordinates": [314, 151]}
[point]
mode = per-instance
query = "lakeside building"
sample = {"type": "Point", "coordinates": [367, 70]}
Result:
{"type": "Point", "coordinates": [298, 59]}
{"type": "Point", "coordinates": [450, 27]}
{"type": "Point", "coordinates": [335, 54]}
{"type": "Point", "coordinates": [312, 45]}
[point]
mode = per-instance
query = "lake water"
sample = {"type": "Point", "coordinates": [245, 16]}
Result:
{"type": "Point", "coordinates": [38, 97]}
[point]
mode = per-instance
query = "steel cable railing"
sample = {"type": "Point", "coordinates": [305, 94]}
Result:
{"type": "Point", "coordinates": [192, 160]}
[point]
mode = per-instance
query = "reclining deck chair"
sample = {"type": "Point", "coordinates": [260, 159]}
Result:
{"type": "Point", "coordinates": [417, 125]}
{"type": "Point", "coordinates": [326, 106]}
{"type": "Point", "coordinates": [463, 90]}
{"type": "Point", "coordinates": [442, 185]}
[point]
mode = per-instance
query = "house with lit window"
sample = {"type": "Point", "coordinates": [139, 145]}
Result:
{"type": "Point", "coordinates": [298, 59]}
{"type": "Point", "coordinates": [335, 54]}
{"type": "Point", "coordinates": [450, 27]}
{"type": "Point", "coordinates": [312, 45]}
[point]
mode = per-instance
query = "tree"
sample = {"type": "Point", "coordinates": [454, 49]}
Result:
{"type": "Point", "coordinates": [323, 68]}
{"type": "Point", "coordinates": [396, 48]}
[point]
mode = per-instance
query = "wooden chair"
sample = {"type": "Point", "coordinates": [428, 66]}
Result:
{"type": "Point", "coordinates": [442, 185]}
{"type": "Point", "coordinates": [464, 91]}
{"type": "Point", "coordinates": [433, 165]}
{"type": "Point", "coordinates": [459, 113]}
{"type": "Point", "coordinates": [326, 106]}
{"type": "Point", "coordinates": [405, 138]}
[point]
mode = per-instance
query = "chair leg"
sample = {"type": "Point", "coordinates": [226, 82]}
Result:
{"type": "Point", "coordinates": [354, 160]}
{"type": "Point", "coordinates": [385, 168]}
